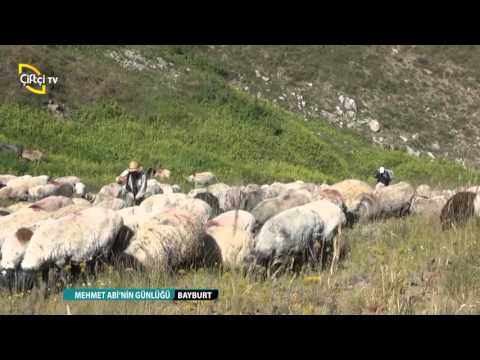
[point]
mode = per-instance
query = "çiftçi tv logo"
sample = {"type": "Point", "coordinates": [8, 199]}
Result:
{"type": "Point", "coordinates": [34, 80]}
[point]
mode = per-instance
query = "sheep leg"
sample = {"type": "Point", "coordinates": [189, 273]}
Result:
{"type": "Point", "coordinates": [336, 251]}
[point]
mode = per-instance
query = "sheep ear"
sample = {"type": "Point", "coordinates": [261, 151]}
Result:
{"type": "Point", "coordinates": [24, 235]}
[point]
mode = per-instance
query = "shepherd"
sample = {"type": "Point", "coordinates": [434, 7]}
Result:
{"type": "Point", "coordinates": [384, 176]}
{"type": "Point", "coordinates": [134, 180]}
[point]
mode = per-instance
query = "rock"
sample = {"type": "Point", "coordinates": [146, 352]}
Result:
{"type": "Point", "coordinates": [412, 152]}
{"type": "Point", "coordinates": [351, 114]}
{"type": "Point", "coordinates": [32, 155]}
{"type": "Point", "coordinates": [404, 139]}
{"type": "Point", "coordinates": [435, 146]}
{"type": "Point", "coordinates": [374, 125]}
{"type": "Point", "coordinates": [431, 155]}
{"type": "Point", "coordinates": [13, 148]}
{"type": "Point", "coordinates": [350, 105]}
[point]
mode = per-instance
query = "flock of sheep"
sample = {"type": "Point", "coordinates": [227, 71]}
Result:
{"type": "Point", "coordinates": [56, 224]}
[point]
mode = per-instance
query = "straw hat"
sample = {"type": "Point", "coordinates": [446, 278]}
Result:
{"type": "Point", "coordinates": [134, 166]}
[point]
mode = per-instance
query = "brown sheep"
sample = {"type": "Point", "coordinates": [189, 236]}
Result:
{"type": "Point", "coordinates": [459, 209]}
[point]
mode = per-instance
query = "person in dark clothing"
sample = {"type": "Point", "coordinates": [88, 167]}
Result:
{"type": "Point", "coordinates": [384, 176]}
{"type": "Point", "coordinates": [134, 180]}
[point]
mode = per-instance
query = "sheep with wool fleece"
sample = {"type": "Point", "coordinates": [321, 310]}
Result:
{"type": "Point", "coordinates": [232, 245]}
{"type": "Point", "coordinates": [169, 239]}
{"type": "Point", "coordinates": [42, 191]}
{"type": "Point", "coordinates": [78, 237]}
{"type": "Point", "coordinates": [238, 219]}
{"type": "Point", "coordinates": [52, 203]}
{"type": "Point", "coordinates": [161, 201]}
{"type": "Point", "coordinates": [22, 218]}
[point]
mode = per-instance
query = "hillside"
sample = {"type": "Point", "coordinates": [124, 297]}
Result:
{"type": "Point", "coordinates": [218, 108]}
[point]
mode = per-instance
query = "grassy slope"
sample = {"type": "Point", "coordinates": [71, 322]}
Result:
{"type": "Point", "coordinates": [185, 120]}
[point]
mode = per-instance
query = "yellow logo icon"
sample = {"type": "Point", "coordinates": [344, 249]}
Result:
{"type": "Point", "coordinates": [33, 79]}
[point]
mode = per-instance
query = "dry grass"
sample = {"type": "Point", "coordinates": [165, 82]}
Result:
{"type": "Point", "coordinates": [400, 266]}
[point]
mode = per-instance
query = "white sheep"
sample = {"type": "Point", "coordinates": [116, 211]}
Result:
{"type": "Point", "coordinates": [42, 191]}
{"type": "Point", "coordinates": [68, 179]}
{"type": "Point", "coordinates": [4, 179]}
{"type": "Point", "coordinates": [289, 238]}
{"type": "Point", "coordinates": [112, 203]}
{"type": "Point", "coordinates": [22, 218]}
{"type": "Point", "coordinates": [52, 203]}
{"type": "Point", "coordinates": [238, 219]}
{"type": "Point", "coordinates": [80, 201]}
{"type": "Point", "coordinates": [28, 181]}
{"type": "Point", "coordinates": [161, 201]}
{"type": "Point", "coordinates": [18, 206]}
{"type": "Point", "coordinates": [233, 244]}
{"type": "Point", "coordinates": [18, 187]}
{"type": "Point", "coordinates": [78, 237]}
{"type": "Point", "coordinates": [170, 239]}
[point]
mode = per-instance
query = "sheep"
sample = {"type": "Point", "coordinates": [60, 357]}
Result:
{"type": "Point", "coordinates": [17, 188]}
{"type": "Point", "coordinates": [4, 212]}
{"type": "Point", "coordinates": [395, 200]}
{"type": "Point", "coordinates": [271, 207]}
{"type": "Point", "coordinates": [238, 219]}
{"type": "Point", "coordinates": [350, 189]}
{"type": "Point", "coordinates": [162, 173]}
{"type": "Point", "coordinates": [14, 247]}
{"type": "Point", "coordinates": [42, 191]}
{"type": "Point", "coordinates": [80, 189]}
{"type": "Point", "coordinates": [112, 203]}
{"type": "Point", "coordinates": [211, 200]}
{"type": "Point", "coordinates": [83, 236]}
{"type": "Point", "coordinates": [109, 191]}
{"type": "Point", "coordinates": [428, 206]}
{"type": "Point", "coordinates": [4, 179]}
{"type": "Point", "coordinates": [194, 192]}
{"type": "Point", "coordinates": [197, 208]}
{"type": "Point", "coordinates": [334, 218]}
{"type": "Point", "coordinates": [459, 209]}
{"type": "Point", "coordinates": [230, 245]}
{"type": "Point", "coordinates": [176, 188]}
{"type": "Point", "coordinates": [329, 194]}
{"type": "Point", "coordinates": [28, 181]}
{"type": "Point", "coordinates": [217, 188]}
{"type": "Point", "coordinates": [22, 218]}
{"type": "Point", "coordinates": [366, 207]}
{"type": "Point", "coordinates": [231, 199]}
{"type": "Point", "coordinates": [424, 191]}
{"type": "Point", "coordinates": [51, 203]}
{"type": "Point", "coordinates": [161, 201]}
{"type": "Point", "coordinates": [12, 193]}
{"type": "Point", "coordinates": [18, 206]}
{"type": "Point", "coordinates": [72, 180]}
{"type": "Point", "coordinates": [170, 240]}
{"type": "Point", "coordinates": [80, 201]}
{"type": "Point", "coordinates": [251, 199]}
{"type": "Point", "coordinates": [202, 179]}
{"type": "Point", "coordinates": [289, 236]}
{"type": "Point", "coordinates": [154, 187]}
{"type": "Point", "coordinates": [69, 209]}
{"type": "Point", "coordinates": [251, 187]}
